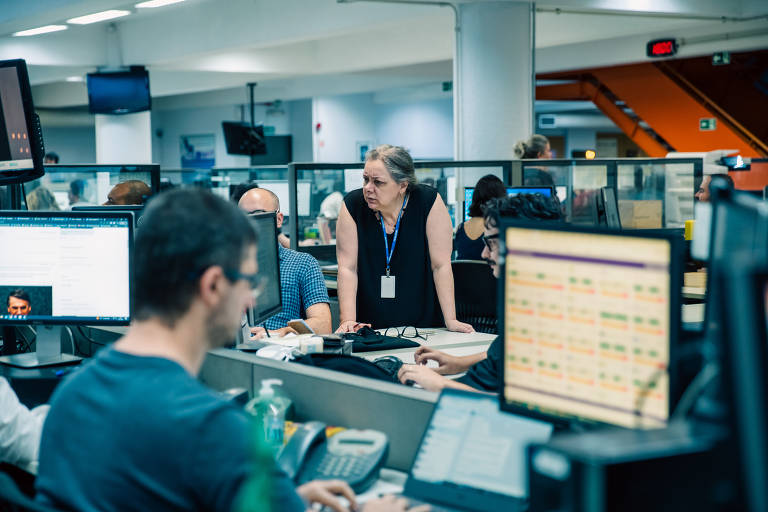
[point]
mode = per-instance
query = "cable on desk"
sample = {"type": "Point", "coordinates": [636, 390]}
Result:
{"type": "Point", "coordinates": [71, 339]}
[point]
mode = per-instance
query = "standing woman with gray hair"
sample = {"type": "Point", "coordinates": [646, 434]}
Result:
{"type": "Point", "coordinates": [393, 243]}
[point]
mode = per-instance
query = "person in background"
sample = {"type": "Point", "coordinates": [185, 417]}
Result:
{"type": "Point", "coordinates": [76, 193]}
{"type": "Point", "coordinates": [50, 158]}
{"type": "Point", "coordinates": [19, 303]}
{"type": "Point", "coordinates": [237, 191]}
{"type": "Point", "coordinates": [302, 285]}
{"type": "Point", "coordinates": [468, 242]}
{"type": "Point", "coordinates": [702, 194]}
{"type": "Point", "coordinates": [537, 147]}
{"type": "Point", "coordinates": [393, 243]}
{"type": "Point", "coordinates": [133, 192]}
{"type": "Point", "coordinates": [42, 199]}
{"type": "Point", "coordinates": [329, 215]}
{"type": "Point", "coordinates": [134, 429]}
{"type": "Point", "coordinates": [484, 370]}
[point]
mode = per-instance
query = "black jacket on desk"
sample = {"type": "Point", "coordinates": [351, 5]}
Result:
{"type": "Point", "coordinates": [415, 301]}
{"type": "Point", "coordinates": [487, 374]}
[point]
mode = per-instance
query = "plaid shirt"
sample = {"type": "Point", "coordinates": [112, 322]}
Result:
{"type": "Point", "coordinates": [302, 286]}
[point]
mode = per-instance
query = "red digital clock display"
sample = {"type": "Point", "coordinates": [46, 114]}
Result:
{"type": "Point", "coordinates": [661, 48]}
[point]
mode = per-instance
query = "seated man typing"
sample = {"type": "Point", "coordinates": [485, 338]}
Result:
{"type": "Point", "coordinates": [134, 430]}
{"type": "Point", "coordinates": [302, 283]}
{"type": "Point", "coordinates": [483, 369]}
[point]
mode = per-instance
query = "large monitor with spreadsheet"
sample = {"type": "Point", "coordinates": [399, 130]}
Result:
{"type": "Point", "coordinates": [64, 268]}
{"type": "Point", "coordinates": [511, 191]}
{"type": "Point", "coordinates": [589, 320]}
{"type": "Point", "coordinates": [269, 302]}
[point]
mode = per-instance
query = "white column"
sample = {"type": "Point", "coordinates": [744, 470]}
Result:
{"type": "Point", "coordinates": [124, 139]}
{"type": "Point", "coordinates": [493, 79]}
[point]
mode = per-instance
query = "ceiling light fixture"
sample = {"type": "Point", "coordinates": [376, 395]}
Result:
{"type": "Point", "coordinates": [98, 16]}
{"type": "Point", "coordinates": [40, 30]}
{"type": "Point", "coordinates": [75, 79]}
{"type": "Point", "coordinates": [156, 3]}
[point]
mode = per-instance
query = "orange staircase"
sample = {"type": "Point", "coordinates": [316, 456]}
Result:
{"type": "Point", "coordinates": [660, 105]}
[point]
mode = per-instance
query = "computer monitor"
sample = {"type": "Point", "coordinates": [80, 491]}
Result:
{"type": "Point", "coordinates": [120, 92]}
{"type": "Point", "coordinates": [607, 208]}
{"type": "Point", "coordinates": [21, 141]}
{"type": "Point", "coordinates": [135, 210]}
{"type": "Point", "coordinates": [590, 321]}
{"type": "Point", "coordinates": [511, 191]}
{"type": "Point", "coordinates": [244, 139]}
{"type": "Point", "coordinates": [61, 268]}
{"type": "Point", "coordinates": [744, 349]}
{"type": "Point", "coordinates": [269, 301]}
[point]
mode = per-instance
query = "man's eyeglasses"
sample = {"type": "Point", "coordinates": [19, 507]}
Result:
{"type": "Point", "coordinates": [259, 210]}
{"type": "Point", "coordinates": [487, 241]}
{"type": "Point", "coordinates": [256, 281]}
{"type": "Point", "coordinates": [405, 332]}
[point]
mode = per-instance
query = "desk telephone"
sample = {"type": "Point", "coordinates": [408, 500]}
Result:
{"type": "Point", "coordinates": [355, 456]}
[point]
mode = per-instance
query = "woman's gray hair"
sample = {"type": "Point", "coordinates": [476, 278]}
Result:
{"type": "Point", "coordinates": [397, 160]}
{"type": "Point", "coordinates": [532, 148]}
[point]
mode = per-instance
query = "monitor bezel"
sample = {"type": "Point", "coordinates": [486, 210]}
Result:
{"type": "Point", "coordinates": [35, 136]}
{"type": "Point", "coordinates": [136, 74]}
{"type": "Point", "coordinates": [552, 193]}
{"type": "Point", "coordinates": [85, 320]}
{"type": "Point", "coordinates": [675, 287]}
{"type": "Point", "coordinates": [265, 315]}
{"type": "Point", "coordinates": [152, 169]}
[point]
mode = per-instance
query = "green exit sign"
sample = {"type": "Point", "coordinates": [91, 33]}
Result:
{"type": "Point", "coordinates": [707, 124]}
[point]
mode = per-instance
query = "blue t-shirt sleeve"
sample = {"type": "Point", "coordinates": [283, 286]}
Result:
{"type": "Point", "coordinates": [312, 284]}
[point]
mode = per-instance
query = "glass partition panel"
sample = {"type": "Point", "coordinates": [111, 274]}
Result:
{"type": "Point", "coordinates": [63, 186]}
{"type": "Point", "coordinates": [656, 194]}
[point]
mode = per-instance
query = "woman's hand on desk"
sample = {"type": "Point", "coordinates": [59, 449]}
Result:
{"type": "Point", "coordinates": [260, 332]}
{"type": "Point", "coordinates": [447, 364]}
{"type": "Point", "coordinates": [324, 492]}
{"type": "Point", "coordinates": [351, 326]}
{"type": "Point", "coordinates": [456, 326]}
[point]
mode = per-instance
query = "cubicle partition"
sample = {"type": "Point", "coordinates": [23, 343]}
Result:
{"type": "Point", "coordinates": [335, 398]}
{"type": "Point", "coordinates": [651, 192]}
{"type": "Point", "coordinates": [86, 184]}
{"type": "Point", "coordinates": [316, 192]}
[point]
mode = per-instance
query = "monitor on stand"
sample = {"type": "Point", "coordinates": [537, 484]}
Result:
{"type": "Point", "coordinates": [590, 323]}
{"type": "Point", "coordinates": [607, 208]}
{"type": "Point", "coordinates": [269, 301]}
{"type": "Point", "coordinates": [63, 268]}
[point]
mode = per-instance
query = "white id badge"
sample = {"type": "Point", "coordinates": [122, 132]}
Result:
{"type": "Point", "coordinates": [387, 287]}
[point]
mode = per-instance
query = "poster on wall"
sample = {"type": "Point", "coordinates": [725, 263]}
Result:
{"type": "Point", "coordinates": [362, 148]}
{"type": "Point", "coordinates": [197, 151]}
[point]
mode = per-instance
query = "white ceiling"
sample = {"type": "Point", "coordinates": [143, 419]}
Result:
{"type": "Point", "coordinates": [204, 51]}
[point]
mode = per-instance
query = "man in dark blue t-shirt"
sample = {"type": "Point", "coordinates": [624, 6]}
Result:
{"type": "Point", "coordinates": [485, 368]}
{"type": "Point", "coordinates": [133, 429]}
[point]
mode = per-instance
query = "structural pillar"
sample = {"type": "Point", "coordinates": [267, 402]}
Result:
{"type": "Point", "coordinates": [124, 139]}
{"type": "Point", "coordinates": [493, 79]}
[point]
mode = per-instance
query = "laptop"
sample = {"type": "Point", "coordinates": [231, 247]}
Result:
{"type": "Point", "coordinates": [472, 455]}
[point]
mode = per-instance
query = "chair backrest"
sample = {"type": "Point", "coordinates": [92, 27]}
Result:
{"type": "Point", "coordinates": [475, 294]}
{"type": "Point", "coordinates": [13, 500]}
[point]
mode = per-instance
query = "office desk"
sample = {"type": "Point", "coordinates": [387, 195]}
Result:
{"type": "Point", "coordinates": [453, 343]}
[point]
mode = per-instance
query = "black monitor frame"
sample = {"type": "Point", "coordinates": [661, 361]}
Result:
{"type": "Point", "coordinates": [244, 138]}
{"type": "Point", "coordinates": [91, 215]}
{"type": "Point", "coordinates": [253, 318]}
{"type": "Point", "coordinates": [34, 131]}
{"type": "Point", "coordinates": [137, 73]}
{"type": "Point", "coordinates": [675, 287]}
{"type": "Point", "coordinates": [744, 361]}
{"type": "Point", "coordinates": [608, 208]}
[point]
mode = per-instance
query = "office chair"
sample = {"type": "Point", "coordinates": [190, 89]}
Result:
{"type": "Point", "coordinates": [13, 500]}
{"type": "Point", "coordinates": [475, 294]}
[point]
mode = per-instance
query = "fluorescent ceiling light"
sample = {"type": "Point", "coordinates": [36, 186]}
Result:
{"type": "Point", "coordinates": [75, 79]}
{"type": "Point", "coordinates": [40, 30]}
{"type": "Point", "coordinates": [156, 3]}
{"type": "Point", "coordinates": [98, 16]}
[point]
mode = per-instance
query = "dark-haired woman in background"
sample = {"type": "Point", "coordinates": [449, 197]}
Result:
{"type": "Point", "coordinates": [468, 242]}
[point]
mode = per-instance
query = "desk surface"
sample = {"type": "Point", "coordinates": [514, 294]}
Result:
{"type": "Point", "coordinates": [454, 343]}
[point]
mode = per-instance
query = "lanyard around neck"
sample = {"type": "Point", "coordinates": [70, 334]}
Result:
{"type": "Point", "coordinates": [387, 252]}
